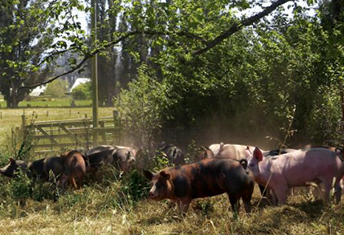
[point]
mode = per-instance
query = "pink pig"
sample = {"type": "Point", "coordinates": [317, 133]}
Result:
{"type": "Point", "coordinates": [298, 168]}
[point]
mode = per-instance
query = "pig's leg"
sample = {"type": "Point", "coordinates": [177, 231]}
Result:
{"type": "Point", "coordinates": [73, 183]}
{"type": "Point", "coordinates": [338, 191]}
{"type": "Point", "coordinates": [281, 194]}
{"type": "Point", "coordinates": [80, 181]}
{"type": "Point", "coordinates": [183, 206]}
{"type": "Point", "coordinates": [247, 202]}
{"type": "Point", "coordinates": [274, 197]}
{"type": "Point", "coordinates": [263, 190]}
{"type": "Point", "coordinates": [328, 186]}
{"type": "Point", "coordinates": [234, 203]}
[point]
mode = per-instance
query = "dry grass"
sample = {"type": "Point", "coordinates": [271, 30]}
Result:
{"type": "Point", "coordinates": [99, 208]}
{"type": "Point", "coordinates": [96, 213]}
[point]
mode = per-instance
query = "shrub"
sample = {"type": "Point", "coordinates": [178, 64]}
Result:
{"type": "Point", "coordinates": [57, 88]}
{"type": "Point", "coordinates": [142, 106]}
{"type": "Point", "coordinates": [134, 187]}
{"type": "Point", "coordinates": [82, 92]}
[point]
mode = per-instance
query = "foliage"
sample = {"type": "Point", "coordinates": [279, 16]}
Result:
{"type": "Point", "coordinates": [25, 34]}
{"type": "Point", "coordinates": [57, 88]}
{"type": "Point", "coordinates": [134, 186]}
{"type": "Point", "coordinates": [21, 188]}
{"type": "Point", "coordinates": [142, 106]}
{"type": "Point", "coordinates": [82, 92]}
{"type": "Point", "coordinates": [160, 161]}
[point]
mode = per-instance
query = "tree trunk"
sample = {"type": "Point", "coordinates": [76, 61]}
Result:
{"type": "Point", "coordinates": [14, 100]}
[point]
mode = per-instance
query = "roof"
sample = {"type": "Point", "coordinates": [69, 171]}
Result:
{"type": "Point", "coordinates": [38, 91]}
{"type": "Point", "coordinates": [79, 81]}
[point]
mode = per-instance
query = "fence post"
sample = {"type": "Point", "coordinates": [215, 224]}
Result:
{"type": "Point", "coordinates": [118, 126]}
{"type": "Point", "coordinates": [51, 137]}
{"type": "Point", "coordinates": [102, 125]}
{"type": "Point", "coordinates": [23, 120]}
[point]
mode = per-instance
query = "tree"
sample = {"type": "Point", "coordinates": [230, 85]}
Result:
{"type": "Point", "coordinates": [142, 106]}
{"type": "Point", "coordinates": [270, 79]}
{"type": "Point", "coordinates": [107, 74]}
{"type": "Point", "coordinates": [57, 88]}
{"type": "Point", "coordinates": [184, 25]}
{"type": "Point", "coordinates": [21, 46]}
{"type": "Point", "coordinates": [82, 92]}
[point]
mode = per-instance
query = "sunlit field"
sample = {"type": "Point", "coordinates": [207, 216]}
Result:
{"type": "Point", "coordinates": [48, 102]}
{"type": "Point", "coordinates": [12, 118]}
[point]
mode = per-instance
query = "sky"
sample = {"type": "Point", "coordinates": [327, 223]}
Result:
{"type": "Point", "coordinates": [249, 12]}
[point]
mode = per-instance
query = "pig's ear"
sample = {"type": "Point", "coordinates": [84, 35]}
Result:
{"type": "Point", "coordinates": [165, 175]}
{"type": "Point", "coordinates": [248, 152]}
{"type": "Point", "coordinates": [149, 175]}
{"type": "Point", "coordinates": [258, 154]}
{"type": "Point", "coordinates": [338, 150]}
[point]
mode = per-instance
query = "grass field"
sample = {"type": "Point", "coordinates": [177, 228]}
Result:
{"type": "Point", "coordinates": [48, 102]}
{"type": "Point", "coordinates": [107, 207]}
{"type": "Point", "coordinates": [12, 118]}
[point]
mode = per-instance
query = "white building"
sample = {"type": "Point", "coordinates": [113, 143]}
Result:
{"type": "Point", "coordinates": [79, 81]}
{"type": "Point", "coordinates": [38, 91]}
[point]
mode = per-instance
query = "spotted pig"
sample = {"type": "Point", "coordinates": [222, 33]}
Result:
{"type": "Point", "coordinates": [205, 178]}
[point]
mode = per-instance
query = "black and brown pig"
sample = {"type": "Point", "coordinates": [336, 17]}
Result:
{"type": "Point", "coordinates": [205, 178]}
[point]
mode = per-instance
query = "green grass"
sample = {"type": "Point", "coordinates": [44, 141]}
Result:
{"type": "Point", "coordinates": [48, 102]}
{"type": "Point", "coordinates": [12, 118]}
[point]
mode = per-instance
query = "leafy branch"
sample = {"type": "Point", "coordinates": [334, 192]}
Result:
{"type": "Point", "coordinates": [238, 26]}
{"type": "Point", "coordinates": [208, 44]}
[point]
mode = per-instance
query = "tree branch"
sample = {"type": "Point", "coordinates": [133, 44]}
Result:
{"type": "Point", "coordinates": [208, 44]}
{"type": "Point", "coordinates": [238, 26]}
{"type": "Point", "coordinates": [111, 43]}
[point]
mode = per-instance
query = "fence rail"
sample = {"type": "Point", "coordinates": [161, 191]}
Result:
{"type": "Point", "coordinates": [53, 136]}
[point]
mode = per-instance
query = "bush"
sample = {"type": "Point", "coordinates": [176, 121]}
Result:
{"type": "Point", "coordinates": [142, 105]}
{"type": "Point", "coordinates": [57, 88]}
{"type": "Point", "coordinates": [134, 187]}
{"type": "Point", "coordinates": [82, 92]}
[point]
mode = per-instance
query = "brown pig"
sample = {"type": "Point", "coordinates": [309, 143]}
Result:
{"type": "Point", "coordinates": [74, 169]}
{"type": "Point", "coordinates": [205, 178]}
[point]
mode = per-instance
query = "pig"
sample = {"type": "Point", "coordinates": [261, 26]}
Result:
{"type": "Point", "coordinates": [272, 153]}
{"type": "Point", "coordinates": [74, 169]}
{"type": "Point", "coordinates": [41, 168]}
{"type": "Point", "coordinates": [122, 158]}
{"type": "Point", "coordinates": [35, 169]}
{"type": "Point", "coordinates": [97, 156]}
{"type": "Point", "coordinates": [234, 151]}
{"type": "Point", "coordinates": [13, 167]}
{"type": "Point", "coordinates": [295, 169]}
{"type": "Point", "coordinates": [204, 152]}
{"type": "Point", "coordinates": [205, 178]}
{"type": "Point", "coordinates": [174, 154]}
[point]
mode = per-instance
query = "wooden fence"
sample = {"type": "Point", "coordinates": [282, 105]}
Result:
{"type": "Point", "coordinates": [53, 136]}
